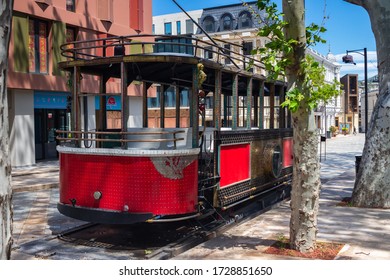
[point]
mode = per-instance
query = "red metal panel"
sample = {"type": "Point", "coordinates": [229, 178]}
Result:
{"type": "Point", "coordinates": [129, 182]}
{"type": "Point", "coordinates": [234, 164]}
{"type": "Point", "coordinates": [287, 152]}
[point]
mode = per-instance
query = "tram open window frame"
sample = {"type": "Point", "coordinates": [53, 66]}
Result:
{"type": "Point", "coordinates": [176, 105]}
{"type": "Point", "coordinates": [242, 102]}
{"type": "Point", "coordinates": [272, 114]}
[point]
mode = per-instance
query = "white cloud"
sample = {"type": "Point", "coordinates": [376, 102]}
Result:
{"type": "Point", "coordinates": [372, 63]}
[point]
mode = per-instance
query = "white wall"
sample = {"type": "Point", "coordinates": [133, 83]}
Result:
{"type": "Point", "coordinates": [135, 112]}
{"type": "Point", "coordinates": [22, 135]}
{"type": "Point", "coordinates": [159, 21]}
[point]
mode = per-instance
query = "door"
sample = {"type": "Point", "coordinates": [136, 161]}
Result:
{"type": "Point", "coordinates": [47, 121]}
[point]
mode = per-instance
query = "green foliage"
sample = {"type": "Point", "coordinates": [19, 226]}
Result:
{"type": "Point", "coordinates": [276, 56]}
{"type": "Point", "coordinates": [312, 34]}
{"type": "Point", "coordinates": [272, 28]}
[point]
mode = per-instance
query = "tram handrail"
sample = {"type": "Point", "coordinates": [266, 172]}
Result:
{"type": "Point", "coordinates": [89, 49]}
{"type": "Point", "coordinates": [122, 140]}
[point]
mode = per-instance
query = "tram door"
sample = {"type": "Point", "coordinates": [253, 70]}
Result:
{"type": "Point", "coordinates": [47, 121]}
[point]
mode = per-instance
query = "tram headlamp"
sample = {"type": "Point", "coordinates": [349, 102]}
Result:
{"type": "Point", "coordinates": [97, 195]}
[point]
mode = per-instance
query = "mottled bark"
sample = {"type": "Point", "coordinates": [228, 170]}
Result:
{"type": "Point", "coordinates": [372, 186]}
{"type": "Point", "coordinates": [306, 176]}
{"type": "Point", "coordinates": [5, 166]}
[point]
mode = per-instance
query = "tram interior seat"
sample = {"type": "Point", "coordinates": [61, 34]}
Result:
{"type": "Point", "coordinates": [208, 139]}
{"type": "Point", "coordinates": [186, 143]}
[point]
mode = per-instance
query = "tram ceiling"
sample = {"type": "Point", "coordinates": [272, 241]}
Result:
{"type": "Point", "coordinates": [168, 70]}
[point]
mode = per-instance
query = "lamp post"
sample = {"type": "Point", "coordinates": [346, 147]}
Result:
{"type": "Point", "coordinates": [349, 59]}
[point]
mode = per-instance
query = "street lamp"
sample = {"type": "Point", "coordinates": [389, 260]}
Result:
{"type": "Point", "coordinates": [349, 59]}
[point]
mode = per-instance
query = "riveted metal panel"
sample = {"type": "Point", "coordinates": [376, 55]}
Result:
{"type": "Point", "coordinates": [159, 185]}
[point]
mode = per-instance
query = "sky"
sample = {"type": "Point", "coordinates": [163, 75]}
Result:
{"type": "Point", "coordinates": [348, 28]}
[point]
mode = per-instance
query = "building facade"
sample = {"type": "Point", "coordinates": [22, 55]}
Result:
{"type": "Point", "coordinates": [373, 91]}
{"type": "Point", "coordinates": [235, 28]}
{"type": "Point", "coordinates": [38, 91]}
{"type": "Point", "coordinates": [349, 121]}
{"type": "Point", "coordinates": [328, 114]}
{"type": "Point", "coordinates": [177, 23]}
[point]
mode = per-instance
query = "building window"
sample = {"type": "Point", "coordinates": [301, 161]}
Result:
{"type": "Point", "coordinates": [247, 48]}
{"type": "Point", "coordinates": [189, 27]}
{"type": "Point", "coordinates": [153, 29]}
{"type": "Point", "coordinates": [209, 24]}
{"type": "Point", "coordinates": [37, 46]}
{"type": "Point", "coordinates": [208, 52]}
{"type": "Point", "coordinates": [227, 53]}
{"type": "Point", "coordinates": [70, 37]}
{"type": "Point", "coordinates": [245, 20]}
{"type": "Point", "coordinates": [71, 5]}
{"type": "Point", "coordinates": [178, 27]}
{"type": "Point", "coordinates": [226, 22]}
{"type": "Point", "coordinates": [168, 28]}
{"type": "Point", "coordinates": [70, 34]}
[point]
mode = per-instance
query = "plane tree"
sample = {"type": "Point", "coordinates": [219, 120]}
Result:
{"type": "Point", "coordinates": [5, 165]}
{"type": "Point", "coordinates": [284, 55]}
{"type": "Point", "coordinates": [372, 185]}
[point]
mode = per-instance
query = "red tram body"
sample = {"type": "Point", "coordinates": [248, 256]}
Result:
{"type": "Point", "coordinates": [145, 174]}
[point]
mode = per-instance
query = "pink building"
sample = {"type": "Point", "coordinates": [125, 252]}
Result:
{"type": "Point", "coordinates": [38, 91]}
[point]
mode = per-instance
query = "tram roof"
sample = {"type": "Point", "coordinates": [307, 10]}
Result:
{"type": "Point", "coordinates": [157, 67]}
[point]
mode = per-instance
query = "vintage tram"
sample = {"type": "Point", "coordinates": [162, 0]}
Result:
{"type": "Point", "coordinates": [230, 143]}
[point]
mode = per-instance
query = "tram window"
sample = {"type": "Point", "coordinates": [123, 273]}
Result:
{"type": "Point", "coordinates": [267, 113]}
{"type": "Point", "coordinates": [277, 161]}
{"type": "Point", "coordinates": [184, 98]}
{"type": "Point", "coordinates": [276, 111]}
{"type": "Point", "coordinates": [170, 98]}
{"type": "Point", "coordinates": [242, 111]}
{"type": "Point", "coordinates": [226, 110]}
{"type": "Point", "coordinates": [209, 102]}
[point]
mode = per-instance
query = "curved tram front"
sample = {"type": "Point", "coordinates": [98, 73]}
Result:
{"type": "Point", "coordinates": [169, 163]}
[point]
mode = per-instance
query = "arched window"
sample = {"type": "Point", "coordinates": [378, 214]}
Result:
{"type": "Point", "coordinates": [245, 20]}
{"type": "Point", "coordinates": [226, 22]}
{"type": "Point", "coordinates": [209, 24]}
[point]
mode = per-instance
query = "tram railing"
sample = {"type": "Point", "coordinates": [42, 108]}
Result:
{"type": "Point", "coordinates": [74, 138]}
{"type": "Point", "coordinates": [145, 44]}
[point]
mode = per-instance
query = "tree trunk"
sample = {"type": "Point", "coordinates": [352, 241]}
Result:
{"type": "Point", "coordinates": [306, 183]}
{"type": "Point", "coordinates": [306, 172]}
{"type": "Point", "coordinates": [372, 186]}
{"type": "Point", "coordinates": [5, 166]}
